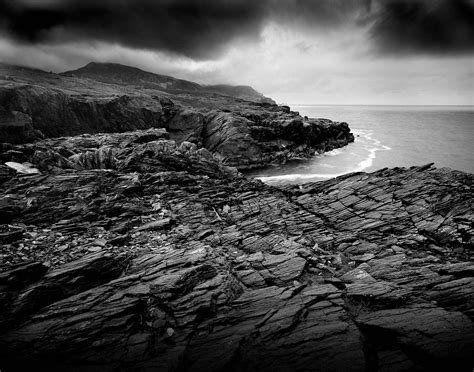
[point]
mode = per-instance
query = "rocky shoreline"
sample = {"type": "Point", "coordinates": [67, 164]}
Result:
{"type": "Point", "coordinates": [135, 244]}
{"type": "Point", "coordinates": [131, 252]}
{"type": "Point", "coordinates": [242, 133]}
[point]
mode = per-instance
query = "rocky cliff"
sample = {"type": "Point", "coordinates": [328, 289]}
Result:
{"type": "Point", "coordinates": [246, 133]}
{"type": "Point", "coordinates": [131, 252]}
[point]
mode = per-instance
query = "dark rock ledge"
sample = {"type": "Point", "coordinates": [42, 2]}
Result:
{"type": "Point", "coordinates": [132, 253]}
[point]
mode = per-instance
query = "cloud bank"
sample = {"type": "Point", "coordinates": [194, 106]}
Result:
{"type": "Point", "coordinates": [429, 26]}
{"type": "Point", "coordinates": [203, 29]}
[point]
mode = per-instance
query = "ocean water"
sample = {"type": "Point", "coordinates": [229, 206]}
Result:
{"type": "Point", "coordinates": [385, 136]}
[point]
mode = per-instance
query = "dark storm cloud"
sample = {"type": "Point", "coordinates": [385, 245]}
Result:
{"type": "Point", "coordinates": [202, 28]}
{"type": "Point", "coordinates": [317, 13]}
{"type": "Point", "coordinates": [194, 28]}
{"type": "Point", "coordinates": [424, 26]}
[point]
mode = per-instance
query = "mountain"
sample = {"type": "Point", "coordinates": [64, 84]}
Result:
{"type": "Point", "coordinates": [115, 73]}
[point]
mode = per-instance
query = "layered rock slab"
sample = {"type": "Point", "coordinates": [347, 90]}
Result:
{"type": "Point", "coordinates": [157, 266]}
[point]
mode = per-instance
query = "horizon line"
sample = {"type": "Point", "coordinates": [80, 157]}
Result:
{"type": "Point", "coordinates": [375, 104]}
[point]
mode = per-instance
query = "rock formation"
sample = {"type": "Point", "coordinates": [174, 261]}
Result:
{"type": "Point", "coordinates": [247, 133]}
{"type": "Point", "coordinates": [132, 252]}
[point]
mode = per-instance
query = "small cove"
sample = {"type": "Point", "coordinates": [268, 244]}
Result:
{"type": "Point", "coordinates": [385, 136]}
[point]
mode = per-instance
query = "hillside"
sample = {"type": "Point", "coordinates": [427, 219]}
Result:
{"type": "Point", "coordinates": [115, 73]}
{"type": "Point", "coordinates": [239, 91]}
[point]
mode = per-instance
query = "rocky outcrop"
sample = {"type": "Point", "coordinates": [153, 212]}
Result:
{"type": "Point", "coordinates": [16, 126]}
{"type": "Point", "coordinates": [146, 151]}
{"type": "Point", "coordinates": [155, 256]}
{"type": "Point", "coordinates": [242, 133]}
{"type": "Point", "coordinates": [259, 136]}
{"type": "Point", "coordinates": [50, 113]}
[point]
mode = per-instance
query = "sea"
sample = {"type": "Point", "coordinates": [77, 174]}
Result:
{"type": "Point", "coordinates": [385, 136]}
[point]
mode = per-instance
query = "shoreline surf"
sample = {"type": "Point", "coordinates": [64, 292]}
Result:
{"type": "Point", "coordinates": [385, 136]}
{"type": "Point", "coordinates": [368, 144]}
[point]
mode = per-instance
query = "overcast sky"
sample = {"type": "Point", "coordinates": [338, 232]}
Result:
{"type": "Point", "coordinates": [295, 51]}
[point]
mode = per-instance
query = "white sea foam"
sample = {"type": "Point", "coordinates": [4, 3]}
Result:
{"type": "Point", "coordinates": [372, 148]}
{"type": "Point", "coordinates": [327, 166]}
{"type": "Point", "coordinates": [370, 144]}
{"type": "Point", "coordinates": [333, 152]}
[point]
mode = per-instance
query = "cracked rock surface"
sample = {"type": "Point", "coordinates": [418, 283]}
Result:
{"type": "Point", "coordinates": [155, 256]}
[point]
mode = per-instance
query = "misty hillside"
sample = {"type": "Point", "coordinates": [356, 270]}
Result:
{"type": "Point", "coordinates": [115, 73]}
{"type": "Point", "coordinates": [238, 91]}
{"type": "Point", "coordinates": [121, 74]}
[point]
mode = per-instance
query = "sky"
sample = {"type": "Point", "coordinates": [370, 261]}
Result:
{"type": "Point", "coordinates": [295, 51]}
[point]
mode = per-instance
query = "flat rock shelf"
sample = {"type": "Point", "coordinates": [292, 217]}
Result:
{"type": "Point", "coordinates": [130, 252]}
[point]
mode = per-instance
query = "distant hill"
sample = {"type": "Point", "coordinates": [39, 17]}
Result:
{"type": "Point", "coordinates": [115, 73]}
{"type": "Point", "coordinates": [238, 91]}
{"type": "Point", "coordinates": [120, 74]}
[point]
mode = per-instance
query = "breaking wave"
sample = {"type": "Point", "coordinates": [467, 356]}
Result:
{"type": "Point", "coordinates": [369, 147]}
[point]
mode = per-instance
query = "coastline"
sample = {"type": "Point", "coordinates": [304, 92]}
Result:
{"type": "Point", "coordinates": [242, 133]}
{"type": "Point", "coordinates": [141, 249]}
{"type": "Point", "coordinates": [301, 170]}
